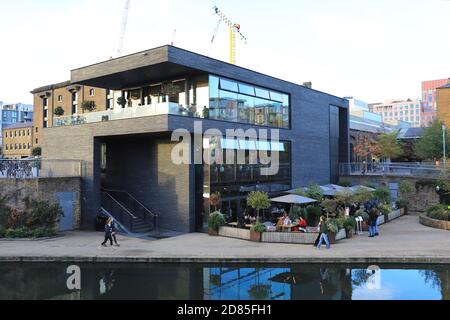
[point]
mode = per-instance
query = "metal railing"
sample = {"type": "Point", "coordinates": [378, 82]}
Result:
{"type": "Point", "coordinates": [135, 206]}
{"type": "Point", "coordinates": [407, 169]}
{"type": "Point", "coordinates": [38, 168]}
{"type": "Point", "coordinates": [130, 113]}
{"type": "Point", "coordinates": [118, 211]}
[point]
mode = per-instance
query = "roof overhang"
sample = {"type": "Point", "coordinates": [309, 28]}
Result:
{"type": "Point", "coordinates": [133, 70]}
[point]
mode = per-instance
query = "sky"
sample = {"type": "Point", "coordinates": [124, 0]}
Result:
{"type": "Point", "coordinates": [373, 50]}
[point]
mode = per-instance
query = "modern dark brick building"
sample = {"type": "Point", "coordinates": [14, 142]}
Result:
{"type": "Point", "coordinates": [128, 147]}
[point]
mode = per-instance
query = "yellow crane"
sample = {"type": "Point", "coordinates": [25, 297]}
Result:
{"type": "Point", "coordinates": [234, 32]}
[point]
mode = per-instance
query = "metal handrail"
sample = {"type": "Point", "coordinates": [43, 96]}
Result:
{"type": "Point", "coordinates": [134, 199]}
{"type": "Point", "coordinates": [120, 205]}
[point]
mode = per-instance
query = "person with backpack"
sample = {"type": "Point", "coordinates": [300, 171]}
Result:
{"type": "Point", "coordinates": [323, 230]}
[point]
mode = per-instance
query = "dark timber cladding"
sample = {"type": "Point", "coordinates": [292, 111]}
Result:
{"type": "Point", "coordinates": [318, 134]}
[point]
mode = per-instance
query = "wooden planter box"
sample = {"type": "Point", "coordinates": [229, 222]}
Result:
{"type": "Point", "coordinates": [332, 237]}
{"type": "Point", "coordinates": [365, 226]}
{"type": "Point", "coordinates": [349, 234]}
{"type": "Point", "coordinates": [255, 236]}
{"type": "Point", "coordinates": [213, 233]}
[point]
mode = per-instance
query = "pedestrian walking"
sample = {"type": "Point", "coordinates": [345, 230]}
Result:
{"type": "Point", "coordinates": [373, 218]}
{"type": "Point", "coordinates": [323, 229]}
{"type": "Point", "coordinates": [108, 233]}
{"type": "Point", "coordinates": [113, 234]}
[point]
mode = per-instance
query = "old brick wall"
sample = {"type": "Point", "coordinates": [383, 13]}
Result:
{"type": "Point", "coordinates": [16, 191]}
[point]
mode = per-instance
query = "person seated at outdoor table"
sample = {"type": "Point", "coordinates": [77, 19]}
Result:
{"type": "Point", "coordinates": [283, 221]}
{"type": "Point", "coordinates": [302, 224]}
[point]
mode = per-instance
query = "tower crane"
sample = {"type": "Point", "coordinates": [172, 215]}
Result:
{"type": "Point", "coordinates": [234, 30]}
{"type": "Point", "coordinates": [123, 28]}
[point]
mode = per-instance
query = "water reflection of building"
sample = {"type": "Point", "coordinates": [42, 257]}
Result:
{"type": "Point", "coordinates": [296, 283]}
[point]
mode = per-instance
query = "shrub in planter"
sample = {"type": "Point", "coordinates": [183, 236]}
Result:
{"type": "Point", "coordinates": [329, 205]}
{"type": "Point", "coordinates": [436, 207]}
{"type": "Point", "coordinates": [333, 229]}
{"type": "Point", "coordinates": [442, 214]}
{"type": "Point", "coordinates": [215, 221]}
{"type": "Point", "coordinates": [256, 231]}
{"type": "Point", "coordinates": [365, 216]}
{"type": "Point", "coordinates": [402, 204]}
{"type": "Point", "coordinates": [383, 194]}
{"type": "Point", "coordinates": [44, 215]}
{"type": "Point", "coordinates": [350, 226]}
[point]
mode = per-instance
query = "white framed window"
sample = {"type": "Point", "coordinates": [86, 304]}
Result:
{"type": "Point", "coordinates": [92, 92]}
{"type": "Point", "coordinates": [60, 98]}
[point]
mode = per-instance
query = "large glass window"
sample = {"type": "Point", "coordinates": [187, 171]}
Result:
{"type": "Point", "coordinates": [235, 101]}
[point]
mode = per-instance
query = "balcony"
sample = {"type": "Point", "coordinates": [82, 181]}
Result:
{"type": "Point", "coordinates": [129, 113]}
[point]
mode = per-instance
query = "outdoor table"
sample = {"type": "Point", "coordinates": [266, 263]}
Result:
{"type": "Point", "coordinates": [288, 227]}
{"type": "Point", "coordinates": [233, 224]}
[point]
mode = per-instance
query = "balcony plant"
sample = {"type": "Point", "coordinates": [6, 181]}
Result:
{"type": "Point", "coordinates": [205, 113]}
{"type": "Point", "coordinates": [215, 221]}
{"type": "Point", "coordinates": [88, 105]}
{"type": "Point", "coordinates": [121, 101]}
{"type": "Point", "coordinates": [36, 152]}
{"type": "Point", "coordinates": [59, 112]}
{"type": "Point", "coordinates": [256, 231]}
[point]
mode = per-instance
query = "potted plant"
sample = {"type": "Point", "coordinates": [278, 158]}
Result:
{"type": "Point", "coordinates": [363, 214]}
{"type": "Point", "coordinates": [402, 204]}
{"type": "Point", "coordinates": [256, 231]}
{"type": "Point", "coordinates": [88, 105]}
{"type": "Point", "coordinates": [121, 101]}
{"type": "Point", "coordinates": [385, 210]}
{"type": "Point", "coordinates": [215, 221]}
{"type": "Point", "coordinates": [346, 198]}
{"type": "Point", "coordinates": [349, 225]}
{"type": "Point", "coordinates": [59, 112]}
{"type": "Point", "coordinates": [333, 229]}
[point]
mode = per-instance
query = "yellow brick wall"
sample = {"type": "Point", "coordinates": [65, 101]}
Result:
{"type": "Point", "coordinates": [443, 105]}
{"type": "Point", "coordinates": [13, 138]}
{"type": "Point", "coordinates": [83, 94]}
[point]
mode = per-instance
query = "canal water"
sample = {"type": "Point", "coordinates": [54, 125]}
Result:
{"type": "Point", "coordinates": [222, 282]}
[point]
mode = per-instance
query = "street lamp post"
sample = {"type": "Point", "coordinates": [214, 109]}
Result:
{"type": "Point", "coordinates": [444, 129]}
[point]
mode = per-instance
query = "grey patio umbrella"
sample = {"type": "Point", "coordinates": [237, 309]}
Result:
{"type": "Point", "coordinates": [293, 199]}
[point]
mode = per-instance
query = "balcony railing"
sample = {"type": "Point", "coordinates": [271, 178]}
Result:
{"type": "Point", "coordinates": [38, 168]}
{"type": "Point", "coordinates": [394, 169]}
{"type": "Point", "coordinates": [129, 113]}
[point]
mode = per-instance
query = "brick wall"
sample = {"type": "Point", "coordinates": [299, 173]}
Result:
{"type": "Point", "coordinates": [16, 191]}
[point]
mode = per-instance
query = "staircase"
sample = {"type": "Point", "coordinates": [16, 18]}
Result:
{"type": "Point", "coordinates": [131, 214]}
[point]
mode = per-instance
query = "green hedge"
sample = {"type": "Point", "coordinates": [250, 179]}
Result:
{"type": "Point", "coordinates": [26, 233]}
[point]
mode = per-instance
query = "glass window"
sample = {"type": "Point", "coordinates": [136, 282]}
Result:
{"type": "Point", "coordinates": [246, 109]}
{"type": "Point", "coordinates": [262, 93]}
{"type": "Point", "coordinates": [214, 98]}
{"type": "Point", "coordinates": [275, 114]}
{"type": "Point", "coordinates": [228, 85]}
{"type": "Point", "coordinates": [246, 89]}
{"type": "Point", "coordinates": [228, 105]}
{"type": "Point", "coordinates": [276, 96]}
{"type": "Point", "coordinates": [261, 108]}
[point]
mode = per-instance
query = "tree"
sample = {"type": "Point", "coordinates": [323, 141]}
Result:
{"type": "Point", "coordinates": [430, 146]}
{"type": "Point", "coordinates": [364, 146]}
{"type": "Point", "coordinates": [36, 152]}
{"type": "Point", "coordinates": [59, 112]}
{"type": "Point", "coordinates": [88, 105]}
{"type": "Point", "coordinates": [329, 205]}
{"type": "Point", "coordinates": [388, 146]}
{"type": "Point", "coordinates": [259, 201]}
{"type": "Point", "coordinates": [214, 200]}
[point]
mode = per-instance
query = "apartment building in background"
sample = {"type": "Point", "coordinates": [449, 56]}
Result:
{"type": "Point", "coordinates": [397, 112]}
{"type": "Point", "coordinates": [443, 104]}
{"type": "Point", "coordinates": [67, 97]}
{"type": "Point", "coordinates": [429, 100]}
{"type": "Point", "coordinates": [14, 113]}
{"type": "Point", "coordinates": [18, 140]}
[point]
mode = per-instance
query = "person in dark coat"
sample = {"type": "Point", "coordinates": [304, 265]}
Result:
{"type": "Point", "coordinates": [109, 230]}
{"type": "Point", "coordinates": [373, 218]}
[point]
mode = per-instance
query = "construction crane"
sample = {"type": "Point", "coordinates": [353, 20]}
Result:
{"type": "Point", "coordinates": [234, 29]}
{"type": "Point", "coordinates": [123, 28]}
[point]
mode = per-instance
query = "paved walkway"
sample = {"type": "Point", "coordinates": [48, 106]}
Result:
{"type": "Point", "coordinates": [403, 240]}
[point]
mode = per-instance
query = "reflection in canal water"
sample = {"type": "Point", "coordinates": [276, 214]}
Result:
{"type": "Point", "coordinates": [225, 282]}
